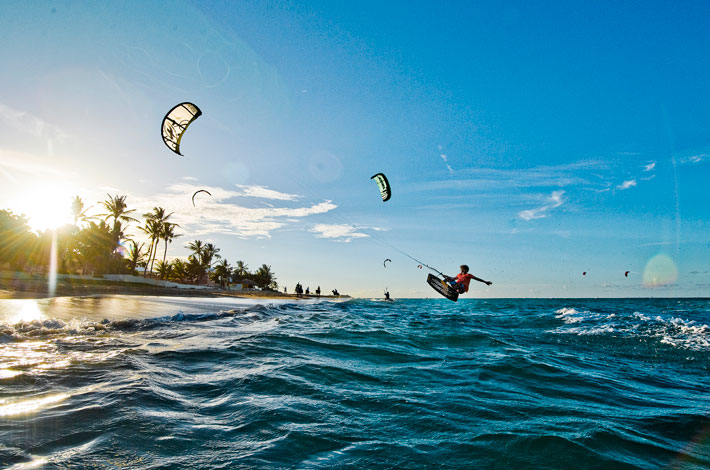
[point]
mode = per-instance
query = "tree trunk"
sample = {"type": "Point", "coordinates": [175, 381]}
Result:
{"type": "Point", "coordinates": [147, 262]}
{"type": "Point", "coordinates": [154, 255]}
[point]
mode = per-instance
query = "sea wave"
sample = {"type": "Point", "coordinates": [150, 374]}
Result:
{"type": "Point", "coordinates": [414, 384]}
{"type": "Point", "coordinates": [673, 331]}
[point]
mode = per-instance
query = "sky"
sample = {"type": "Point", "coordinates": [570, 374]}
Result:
{"type": "Point", "coordinates": [533, 141]}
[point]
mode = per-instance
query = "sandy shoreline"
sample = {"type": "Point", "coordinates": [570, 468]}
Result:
{"type": "Point", "coordinates": [38, 289]}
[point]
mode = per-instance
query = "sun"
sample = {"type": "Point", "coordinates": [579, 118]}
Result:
{"type": "Point", "coordinates": [46, 206]}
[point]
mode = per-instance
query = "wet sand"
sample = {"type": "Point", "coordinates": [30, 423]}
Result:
{"type": "Point", "coordinates": [29, 300]}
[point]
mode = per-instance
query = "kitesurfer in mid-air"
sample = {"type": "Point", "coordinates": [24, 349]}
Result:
{"type": "Point", "coordinates": [462, 280]}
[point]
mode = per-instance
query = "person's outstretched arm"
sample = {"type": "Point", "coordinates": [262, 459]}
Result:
{"type": "Point", "coordinates": [488, 283]}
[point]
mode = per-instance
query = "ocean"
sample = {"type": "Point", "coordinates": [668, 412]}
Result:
{"type": "Point", "coordinates": [159, 383]}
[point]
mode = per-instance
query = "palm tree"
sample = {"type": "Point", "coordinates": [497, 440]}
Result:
{"type": "Point", "coordinates": [135, 255]}
{"type": "Point", "coordinates": [197, 246]}
{"type": "Point", "coordinates": [153, 229]}
{"type": "Point", "coordinates": [195, 269]}
{"type": "Point", "coordinates": [209, 252]}
{"type": "Point", "coordinates": [179, 270]}
{"type": "Point", "coordinates": [164, 269]}
{"type": "Point", "coordinates": [241, 269]}
{"type": "Point", "coordinates": [78, 210]}
{"type": "Point", "coordinates": [265, 278]}
{"type": "Point", "coordinates": [160, 218]}
{"type": "Point", "coordinates": [168, 235]}
{"type": "Point", "coordinates": [118, 211]}
{"type": "Point", "coordinates": [94, 247]}
{"type": "Point", "coordinates": [198, 249]}
{"type": "Point", "coordinates": [222, 272]}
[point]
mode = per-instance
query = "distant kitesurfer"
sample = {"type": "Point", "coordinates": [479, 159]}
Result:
{"type": "Point", "coordinates": [462, 280]}
{"type": "Point", "coordinates": [387, 295]}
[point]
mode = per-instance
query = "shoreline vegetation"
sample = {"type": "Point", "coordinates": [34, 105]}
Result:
{"type": "Point", "coordinates": [91, 255]}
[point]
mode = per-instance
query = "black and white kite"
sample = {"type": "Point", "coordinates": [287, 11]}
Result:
{"type": "Point", "coordinates": [383, 185]}
{"type": "Point", "coordinates": [175, 124]}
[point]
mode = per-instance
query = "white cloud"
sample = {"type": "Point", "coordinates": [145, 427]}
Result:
{"type": "Point", "coordinates": [649, 167]}
{"type": "Point", "coordinates": [657, 244]}
{"type": "Point", "coordinates": [217, 214]}
{"type": "Point", "coordinates": [492, 179]}
{"type": "Point", "coordinates": [695, 158]}
{"type": "Point", "coordinates": [189, 178]}
{"type": "Point", "coordinates": [265, 193]}
{"type": "Point", "coordinates": [626, 185]}
{"type": "Point", "coordinates": [446, 160]}
{"type": "Point", "coordinates": [343, 233]}
{"type": "Point", "coordinates": [555, 200]}
{"type": "Point", "coordinates": [220, 194]}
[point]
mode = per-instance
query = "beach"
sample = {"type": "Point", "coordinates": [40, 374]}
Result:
{"type": "Point", "coordinates": [38, 288]}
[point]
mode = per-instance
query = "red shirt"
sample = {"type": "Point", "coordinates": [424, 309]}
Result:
{"type": "Point", "coordinates": [464, 279]}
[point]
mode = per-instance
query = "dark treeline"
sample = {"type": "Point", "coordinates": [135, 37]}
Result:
{"type": "Point", "coordinates": [95, 245]}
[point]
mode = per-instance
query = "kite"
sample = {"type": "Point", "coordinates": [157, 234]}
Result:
{"type": "Point", "coordinates": [584, 273]}
{"type": "Point", "coordinates": [385, 262]}
{"type": "Point", "coordinates": [200, 191]}
{"type": "Point", "coordinates": [384, 186]}
{"type": "Point", "coordinates": [626, 274]}
{"type": "Point", "coordinates": [175, 124]}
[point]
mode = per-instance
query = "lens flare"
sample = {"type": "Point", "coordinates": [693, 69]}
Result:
{"type": "Point", "coordinates": [660, 271]}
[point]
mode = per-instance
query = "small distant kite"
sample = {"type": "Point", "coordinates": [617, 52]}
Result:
{"type": "Point", "coordinates": [385, 262]}
{"type": "Point", "coordinates": [196, 192]}
{"type": "Point", "coordinates": [383, 185]}
{"type": "Point", "coordinates": [584, 273]}
{"type": "Point", "coordinates": [419, 266]}
{"type": "Point", "coordinates": [175, 124]}
{"type": "Point", "coordinates": [626, 274]}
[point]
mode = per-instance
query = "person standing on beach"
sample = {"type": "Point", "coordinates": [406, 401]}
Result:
{"type": "Point", "coordinates": [318, 292]}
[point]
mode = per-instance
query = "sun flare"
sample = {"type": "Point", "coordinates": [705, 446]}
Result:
{"type": "Point", "coordinates": [46, 206]}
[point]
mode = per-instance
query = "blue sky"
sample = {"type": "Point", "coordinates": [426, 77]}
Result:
{"type": "Point", "coordinates": [532, 141]}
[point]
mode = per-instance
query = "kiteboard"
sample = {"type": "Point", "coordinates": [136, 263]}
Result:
{"type": "Point", "coordinates": [442, 288]}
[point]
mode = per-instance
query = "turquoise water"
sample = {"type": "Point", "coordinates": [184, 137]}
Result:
{"type": "Point", "coordinates": [215, 384]}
